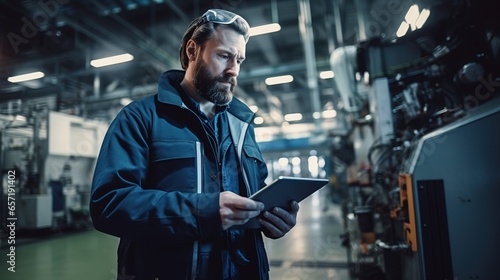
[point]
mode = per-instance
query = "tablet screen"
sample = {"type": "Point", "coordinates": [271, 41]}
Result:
{"type": "Point", "coordinates": [282, 191]}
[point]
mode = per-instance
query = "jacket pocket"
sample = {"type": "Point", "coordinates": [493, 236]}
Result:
{"type": "Point", "coordinates": [254, 166]}
{"type": "Point", "coordinates": [253, 152]}
{"type": "Point", "coordinates": [172, 149]}
{"type": "Point", "coordinates": [173, 165]}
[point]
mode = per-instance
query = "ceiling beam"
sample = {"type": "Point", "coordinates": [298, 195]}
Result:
{"type": "Point", "coordinates": [135, 42]}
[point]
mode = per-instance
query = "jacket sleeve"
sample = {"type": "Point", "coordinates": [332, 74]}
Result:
{"type": "Point", "coordinates": [121, 206]}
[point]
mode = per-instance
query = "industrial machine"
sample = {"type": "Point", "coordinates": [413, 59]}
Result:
{"type": "Point", "coordinates": [420, 202]}
{"type": "Point", "coordinates": [53, 155]}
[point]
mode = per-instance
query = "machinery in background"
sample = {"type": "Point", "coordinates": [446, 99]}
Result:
{"type": "Point", "coordinates": [420, 203]}
{"type": "Point", "coordinates": [54, 156]}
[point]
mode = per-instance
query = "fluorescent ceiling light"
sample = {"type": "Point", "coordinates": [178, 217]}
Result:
{"type": "Point", "coordinates": [125, 101]}
{"type": "Point", "coordinates": [293, 117]}
{"type": "Point", "coordinates": [295, 160]}
{"type": "Point", "coordinates": [326, 74]}
{"type": "Point", "coordinates": [20, 118]}
{"type": "Point", "coordinates": [112, 60]}
{"type": "Point", "coordinates": [26, 77]}
{"type": "Point", "coordinates": [264, 29]}
{"type": "Point", "coordinates": [258, 120]}
{"type": "Point", "coordinates": [328, 114]}
{"type": "Point", "coordinates": [279, 80]}
{"type": "Point", "coordinates": [283, 161]}
{"type": "Point", "coordinates": [424, 15]}
{"type": "Point", "coordinates": [412, 15]}
{"type": "Point", "coordinates": [131, 6]}
{"type": "Point", "coordinates": [254, 108]}
{"type": "Point", "coordinates": [403, 28]}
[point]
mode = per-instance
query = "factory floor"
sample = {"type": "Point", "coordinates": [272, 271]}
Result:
{"type": "Point", "coordinates": [312, 250]}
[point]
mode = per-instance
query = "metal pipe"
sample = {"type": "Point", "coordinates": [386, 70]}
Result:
{"type": "Point", "coordinates": [361, 20]}
{"type": "Point", "coordinates": [274, 11]}
{"type": "Point", "coordinates": [307, 36]}
{"type": "Point", "coordinates": [177, 10]}
{"type": "Point", "coordinates": [338, 23]}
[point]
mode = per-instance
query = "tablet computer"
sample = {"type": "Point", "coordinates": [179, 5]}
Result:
{"type": "Point", "coordinates": [282, 191]}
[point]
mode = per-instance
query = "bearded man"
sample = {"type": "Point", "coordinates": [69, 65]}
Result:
{"type": "Point", "coordinates": [175, 169]}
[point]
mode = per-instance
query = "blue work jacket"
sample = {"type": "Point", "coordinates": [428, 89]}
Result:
{"type": "Point", "coordinates": [156, 190]}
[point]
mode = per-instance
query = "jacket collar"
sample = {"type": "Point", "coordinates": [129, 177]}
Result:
{"type": "Point", "coordinates": [169, 89]}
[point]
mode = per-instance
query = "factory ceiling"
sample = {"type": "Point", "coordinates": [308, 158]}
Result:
{"type": "Point", "coordinates": [61, 37]}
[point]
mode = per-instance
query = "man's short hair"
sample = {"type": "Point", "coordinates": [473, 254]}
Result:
{"type": "Point", "coordinates": [201, 30]}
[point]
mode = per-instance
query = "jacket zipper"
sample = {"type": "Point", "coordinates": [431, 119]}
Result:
{"type": "Point", "coordinates": [199, 151]}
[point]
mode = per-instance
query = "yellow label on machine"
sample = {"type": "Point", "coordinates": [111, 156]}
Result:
{"type": "Point", "coordinates": [406, 198]}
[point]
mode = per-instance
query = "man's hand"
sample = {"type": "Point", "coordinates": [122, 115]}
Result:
{"type": "Point", "coordinates": [237, 210]}
{"type": "Point", "coordinates": [278, 222]}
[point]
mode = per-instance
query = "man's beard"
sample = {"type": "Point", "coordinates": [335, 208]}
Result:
{"type": "Point", "coordinates": [209, 87]}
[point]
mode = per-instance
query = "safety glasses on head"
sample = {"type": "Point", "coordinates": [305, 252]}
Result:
{"type": "Point", "coordinates": [220, 16]}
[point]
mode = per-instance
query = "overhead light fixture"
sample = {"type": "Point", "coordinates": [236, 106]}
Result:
{"type": "Point", "coordinates": [279, 80]}
{"type": "Point", "coordinates": [412, 16]}
{"type": "Point", "coordinates": [283, 162]}
{"type": "Point", "coordinates": [326, 74]}
{"type": "Point", "coordinates": [414, 19]}
{"type": "Point", "coordinates": [422, 18]}
{"type": "Point", "coordinates": [293, 117]}
{"type": "Point", "coordinates": [254, 108]}
{"type": "Point", "coordinates": [132, 6]}
{"type": "Point", "coordinates": [328, 114]}
{"type": "Point", "coordinates": [403, 28]}
{"type": "Point", "coordinates": [125, 101]}
{"type": "Point", "coordinates": [26, 77]}
{"type": "Point", "coordinates": [20, 118]}
{"type": "Point", "coordinates": [264, 29]}
{"type": "Point", "coordinates": [112, 60]}
{"type": "Point", "coordinates": [258, 120]}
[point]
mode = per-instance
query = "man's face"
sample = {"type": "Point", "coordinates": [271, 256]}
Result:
{"type": "Point", "coordinates": [218, 65]}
